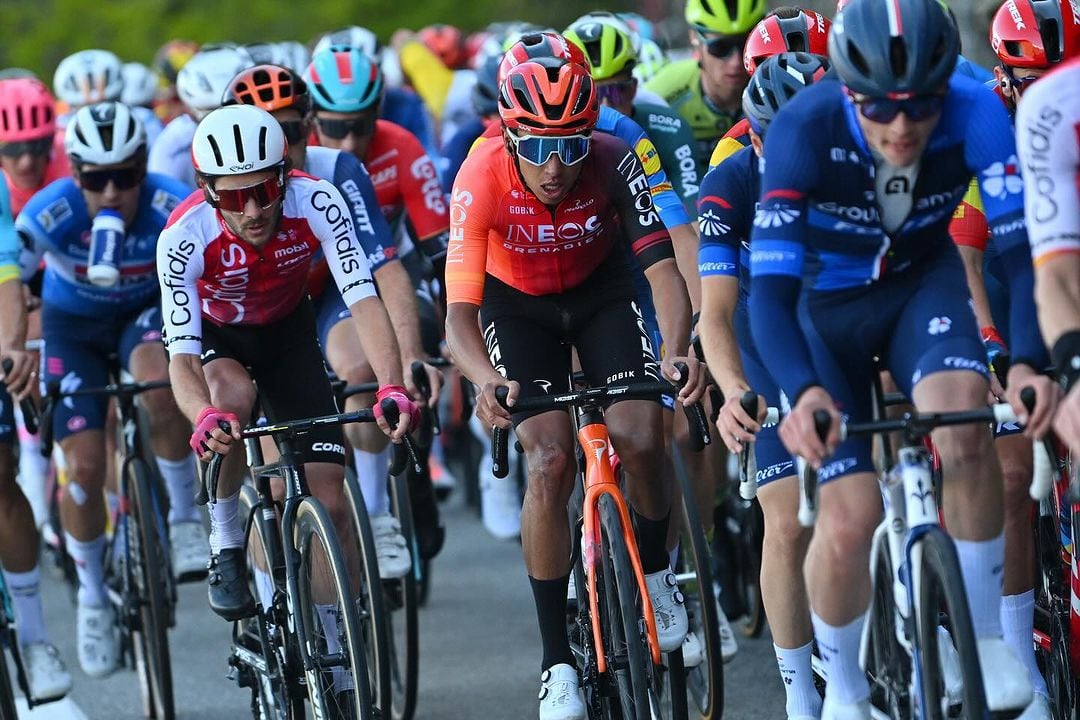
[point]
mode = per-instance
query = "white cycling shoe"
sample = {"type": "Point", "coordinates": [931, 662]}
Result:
{"type": "Point", "coordinates": [667, 601]}
{"type": "Point", "coordinates": [837, 711]}
{"type": "Point", "coordinates": [560, 694]}
{"type": "Point", "coordinates": [693, 652]}
{"type": "Point", "coordinates": [500, 506]}
{"type": "Point", "coordinates": [1039, 709]}
{"type": "Point", "coordinates": [190, 547]}
{"type": "Point", "coordinates": [390, 547]}
{"type": "Point", "coordinates": [46, 673]}
{"type": "Point", "coordinates": [728, 646]}
{"type": "Point", "coordinates": [1005, 678]}
{"type": "Point", "coordinates": [98, 640]}
{"type": "Point", "coordinates": [950, 668]}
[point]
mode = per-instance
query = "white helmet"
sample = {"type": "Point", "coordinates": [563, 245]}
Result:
{"type": "Point", "coordinates": [140, 85]}
{"type": "Point", "coordinates": [106, 133]}
{"type": "Point", "coordinates": [353, 36]}
{"type": "Point", "coordinates": [203, 80]}
{"type": "Point", "coordinates": [238, 139]}
{"type": "Point", "coordinates": [293, 55]}
{"type": "Point", "coordinates": [87, 77]}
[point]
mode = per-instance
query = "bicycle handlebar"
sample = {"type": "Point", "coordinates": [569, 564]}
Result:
{"type": "Point", "coordinates": [747, 464]}
{"type": "Point", "coordinates": [27, 405]}
{"type": "Point", "coordinates": [53, 395]}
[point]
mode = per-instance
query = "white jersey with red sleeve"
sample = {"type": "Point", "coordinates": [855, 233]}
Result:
{"type": "Point", "coordinates": [206, 271]}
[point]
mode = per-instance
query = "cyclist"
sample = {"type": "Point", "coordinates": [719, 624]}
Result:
{"type": "Point", "coordinates": [485, 102]}
{"type": "Point", "coordinates": [728, 196]}
{"type": "Point", "coordinates": [83, 324]}
{"type": "Point", "coordinates": [140, 90]}
{"type": "Point", "coordinates": [855, 216]}
{"type": "Point", "coordinates": [285, 95]}
{"type": "Point", "coordinates": [168, 60]}
{"type": "Point", "coordinates": [233, 269]}
{"type": "Point", "coordinates": [534, 263]}
{"type": "Point", "coordinates": [46, 674]}
{"type": "Point", "coordinates": [706, 90]}
{"type": "Point", "coordinates": [785, 29]}
{"type": "Point", "coordinates": [1047, 141]}
{"type": "Point", "coordinates": [200, 84]}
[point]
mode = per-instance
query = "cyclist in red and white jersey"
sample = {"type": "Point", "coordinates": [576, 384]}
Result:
{"type": "Point", "coordinates": [1048, 135]}
{"type": "Point", "coordinates": [233, 268]}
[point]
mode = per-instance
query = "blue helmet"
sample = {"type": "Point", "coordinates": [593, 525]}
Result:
{"type": "Point", "coordinates": [343, 79]}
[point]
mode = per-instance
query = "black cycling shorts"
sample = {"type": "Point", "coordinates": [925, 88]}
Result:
{"type": "Point", "coordinates": [529, 337]}
{"type": "Point", "coordinates": [286, 363]}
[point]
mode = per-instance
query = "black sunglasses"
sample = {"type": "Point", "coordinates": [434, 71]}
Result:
{"type": "Point", "coordinates": [339, 129]}
{"type": "Point", "coordinates": [885, 110]}
{"type": "Point", "coordinates": [723, 46]}
{"type": "Point", "coordinates": [294, 130]}
{"type": "Point", "coordinates": [124, 178]}
{"type": "Point", "coordinates": [37, 148]}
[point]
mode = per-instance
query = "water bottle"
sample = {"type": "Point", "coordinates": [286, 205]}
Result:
{"type": "Point", "coordinates": [106, 247]}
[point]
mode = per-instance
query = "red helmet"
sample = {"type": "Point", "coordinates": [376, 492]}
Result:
{"type": "Point", "coordinates": [27, 110]}
{"type": "Point", "coordinates": [548, 96]}
{"type": "Point", "coordinates": [474, 43]}
{"type": "Point", "coordinates": [447, 42]}
{"type": "Point", "coordinates": [1035, 33]}
{"type": "Point", "coordinates": [541, 45]}
{"type": "Point", "coordinates": [840, 5]}
{"type": "Point", "coordinates": [786, 30]}
{"type": "Point", "coordinates": [270, 87]}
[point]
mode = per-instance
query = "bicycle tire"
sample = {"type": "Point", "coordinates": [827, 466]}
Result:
{"type": "Point", "coordinates": [8, 711]}
{"type": "Point", "coordinates": [704, 683]}
{"type": "Point", "coordinates": [147, 566]}
{"type": "Point", "coordinates": [313, 525]}
{"type": "Point", "coordinates": [621, 622]}
{"type": "Point", "coordinates": [402, 600]}
{"type": "Point", "coordinates": [1052, 609]}
{"type": "Point", "coordinates": [750, 541]}
{"type": "Point", "coordinates": [369, 596]}
{"type": "Point", "coordinates": [941, 592]}
{"type": "Point", "coordinates": [888, 664]}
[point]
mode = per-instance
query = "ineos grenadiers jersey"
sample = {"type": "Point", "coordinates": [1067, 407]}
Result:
{"type": "Point", "coordinates": [170, 154]}
{"type": "Point", "coordinates": [1048, 139]}
{"type": "Point", "coordinates": [9, 239]}
{"type": "Point", "coordinates": [499, 228]}
{"type": "Point", "coordinates": [819, 226]}
{"type": "Point", "coordinates": [207, 271]}
{"type": "Point", "coordinates": [726, 209]}
{"type": "Point", "coordinates": [350, 177]}
{"type": "Point", "coordinates": [56, 224]}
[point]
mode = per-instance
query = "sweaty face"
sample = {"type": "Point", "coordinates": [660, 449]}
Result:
{"type": "Point", "coordinates": [900, 142]}
{"type": "Point", "coordinates": [113, 187]}
{"type": "Point", "coordinates": [254, 224]}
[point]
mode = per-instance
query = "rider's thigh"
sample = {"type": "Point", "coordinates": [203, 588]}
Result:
{"type": "Point", "coordinates": [230, 386]}
{"type": "Point", "coordinates": [84, 457]}
{"type": "Point", "coordinates": [327, 483]}
{"type": "Point", "coordinates": [848, 512]}
{"type": "Point", "coordinates": [636, 431]}
{"type": "Point", "coordinates": [345, 353]}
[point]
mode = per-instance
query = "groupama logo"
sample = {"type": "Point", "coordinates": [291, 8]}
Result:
{"type": "Point", "coordinates": [1003, 179]}
{"type": "Point", "coordinates": [775, 216]}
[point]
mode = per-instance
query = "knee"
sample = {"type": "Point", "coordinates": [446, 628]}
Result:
{"type": "Point", "coordinates": [641, 453]}
{"type": "Point", "coordinates": [1017, 480]}
{"type": "Point", "coordinates": [846, 535]}
{"type": "Point", "coordinates": [87, 471]}
{"type": "Point", "coordinates": [963, 445]}
{"type": "Point", "coordinates": [550, 469]}
{"type": "Point", "coordinates": [161, 407]}
{"type": "Point", "coordinates": [784, 535]}
{"type": "Point", "coordinates": [355, 372]}
{"type": "Point", "coordinates": [237, 398]}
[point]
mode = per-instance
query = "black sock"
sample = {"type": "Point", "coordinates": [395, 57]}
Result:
{"type": "Point", "coordinates": [550, 598]}
{"type": "Point", "coordinates": [652, 542]}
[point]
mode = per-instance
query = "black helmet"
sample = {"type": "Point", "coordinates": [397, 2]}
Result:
{"type": "Point", "coordinates": [888, 48]}
{"type": "Point", "coordinates": [485, 93]}
{"type": "Point", "coordinates": [776, 80]}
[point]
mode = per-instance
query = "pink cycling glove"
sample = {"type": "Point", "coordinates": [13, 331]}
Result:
{"type": "Point", "coordinates": [404, 403]}
{"type": "Point", "coordinates": [205, 424]}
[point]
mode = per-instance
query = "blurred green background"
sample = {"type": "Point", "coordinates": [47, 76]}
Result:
{"type": "Point", "coordinates": [39, 33]}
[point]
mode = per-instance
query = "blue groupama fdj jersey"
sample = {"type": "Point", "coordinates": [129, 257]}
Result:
{"type": "Point", "coordinates": [56, 224]}
{"type": "Point", "coordinates": [9, 240]}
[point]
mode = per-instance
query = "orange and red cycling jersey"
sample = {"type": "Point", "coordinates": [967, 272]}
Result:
{"type": "Point", "coordinates": [57, 168]}
{"type": "Point", "coordinates": [406, 181]}
{"type": "Point", "coordinates": [499, 228]}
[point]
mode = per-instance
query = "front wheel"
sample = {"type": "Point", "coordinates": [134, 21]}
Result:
{"type": "Point", "coordinates": [402, 601]}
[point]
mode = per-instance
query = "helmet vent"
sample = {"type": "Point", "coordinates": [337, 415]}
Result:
{"type": "Point", "coordinates": [1051, 34]}
{"type": "Point", "coordinates": [262, 143]}
{"type": "Point", "coordinates": [898, 56]}
{"type": "Point", "coordinates": [857, 59]}
{"type": "Point", "coordinates": [796, 42]}
{"type": "Point", "coordinates": [238, 138]}
{"type": "Point", "coordinates": [218, 159]}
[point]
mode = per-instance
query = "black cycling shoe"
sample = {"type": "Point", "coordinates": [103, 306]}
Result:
{"type": "Point", "coordinates": [230, 596]}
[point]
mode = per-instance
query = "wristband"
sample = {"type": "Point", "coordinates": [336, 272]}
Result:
{"type": "Point", "coordinates": [1066, 356]}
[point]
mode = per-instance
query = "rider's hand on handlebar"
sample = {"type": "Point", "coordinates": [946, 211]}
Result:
{"type": "Point", "coordinates": [1047, 396]}
{"type": "Point", "coordinates": [408, 412]}
{"type": "Point", "coordinates": [209, 438]}
{"type": "Point", "coordinates": [488, 409]}
{"type": "Point", "coordinates": [20, 380]}
{"type": "Point", "coordinates": [435, 382]}
{"type": "Point", "coordinates": [696, 382]}
{"type": "Point", "coordinates": [735, 426]}
{"type": "Point", "coordinates": [798, 433]}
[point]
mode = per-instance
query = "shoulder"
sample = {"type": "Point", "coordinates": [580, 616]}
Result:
{"type": "Point", "coordinates": [660, 119]}
{"type": "Point", "coordinates": [733, 170]}
{"type": "Point", "coordinates": [189, 211]}
{"type": "Point", "coordinates": [607, 147]}
{"type": "Point", "coordinates": [54, 206]}
{"type": "Point", "coordinates": [162, 194]}
{"type": "Point", "coordinates": [389, 134]}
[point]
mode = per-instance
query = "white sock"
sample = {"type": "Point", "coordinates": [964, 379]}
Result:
{"type": "Point", "coordinates": [798, 676]}
{"type": "Point", "coordinates": [328, 615]}
{"type": "Point", "coordinates": [179, 476]}
{"type": "Point", "coordinates": [839, 648]}
{"type": "Point", "coordinates": [1017, 619]}
{"type": "Point", "coordinates": [25, 591]}
{"type": "Point", "coordinates": [264, 587]}
{"type": "Point", "coordinates": [371, 470]}
{"type": "Point", "coordinates": [982, 563]}
{"type": "Point", "coordinates": [226, 528]}
{"type": "Point", "coordinates": [89, 560]}
{"type": "Point", "coordinates": [33, 471]}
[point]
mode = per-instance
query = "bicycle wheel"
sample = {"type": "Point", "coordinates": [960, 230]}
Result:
{"type": "Point", "coordinates": [1052, 610]}
{"type": "Point", "coordinates": [367, 588]}
{"type": "Point", "coordinates": [148, 562]}
{"type": "Point", "coordinates": [621, 624]}
{"type": "Point", "coordinates": [749, 538]}
{"type": "Point", "coordinates": [7, 641]}
{"type": "Point", "coordinates": [941, 600]}
{"type": "Point", "coordinates": [336, 667]}
{"type": "Point", "coordinates": [888, 663]}
{"type": "Point", "coordinates": [402, 602]}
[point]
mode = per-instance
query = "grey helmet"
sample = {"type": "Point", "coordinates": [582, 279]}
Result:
{"type": "Point", "coordinates": [776, 80]}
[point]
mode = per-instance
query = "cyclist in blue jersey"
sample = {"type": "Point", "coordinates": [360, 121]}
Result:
{"type": "Point", "coordinates": [485, 102]}
{"type": "Point", "coordinates": [19, 541]}
{"type": "Point", "coordinates": [83, 323]}
{"type": "Point", "coordinates": [729, 195]}
{"type": "Point", "coordinates": [284, 94]}
{"type": "Point", "coordinates": [851, 259]}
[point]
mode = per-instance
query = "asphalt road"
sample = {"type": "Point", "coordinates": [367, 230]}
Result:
{"type": "Point", "coordinates": [480, 649]}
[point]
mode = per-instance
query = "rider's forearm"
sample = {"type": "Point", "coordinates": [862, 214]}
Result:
{"type": "Point", "coordinates": [684, 239]}
{"type": "Point", "coordinates": [672, 306]}
{"type": "Point", "coordinates": [973, 268]}
{"type": "Point", "coordinates": [1057, 292]}
{"type": "Point", "coordinates": [467, 344]}
{"type": "Point", "coordinates": [189, 385]}
{"type": "Point", "coordinates": [377, 339]}
{"type": "Point", "coordinates": [720, 295]}
{"type": "Point", "coordinates": [12, 316]}
{"type": "Point", "coordinates": [399, 298]}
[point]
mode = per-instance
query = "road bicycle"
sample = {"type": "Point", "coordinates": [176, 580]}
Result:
{"type": "Point", "coordinates": [918, 606]}
{"type": "Point", "coordinates": [311, 640]}
{"type": "Point", "coordinates": [613, 636]}
{"type": "Point", "coordinates": [138, 562]}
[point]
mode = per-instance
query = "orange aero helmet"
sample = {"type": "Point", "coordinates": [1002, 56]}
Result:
{"type": "Point", "coordinates": [269, 87]}
{"type": "Point", "coordinates": [536, 46]}
{"type": "Point", "coordinates": [793, 30]}
{"type": "Point", "coordinates": [548, 97]}
{"type": "Point", "coordinates": [1035, 33]}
